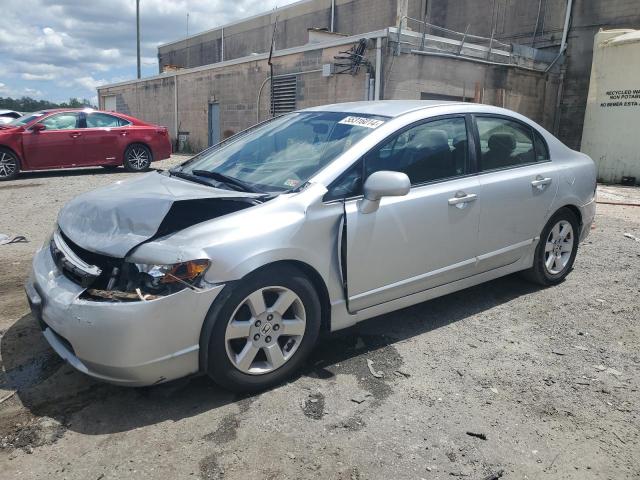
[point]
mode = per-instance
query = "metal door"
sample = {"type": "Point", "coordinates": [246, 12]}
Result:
{"type": "Point", "coordinates": [214, 123]}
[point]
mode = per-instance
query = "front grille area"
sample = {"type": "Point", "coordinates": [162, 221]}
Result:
{"type": "Point", "coordinates": [96, 271]}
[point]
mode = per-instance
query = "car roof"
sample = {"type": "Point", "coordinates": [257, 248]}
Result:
{"type": "Point", "coordinates": [387, 108]}
{"type": "Point", "coordinates": [3, 111]}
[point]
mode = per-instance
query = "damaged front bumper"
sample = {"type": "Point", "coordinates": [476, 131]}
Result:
{"type": "Point", "coordinates": [130, 343]}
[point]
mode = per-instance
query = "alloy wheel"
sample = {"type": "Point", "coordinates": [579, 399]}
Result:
{"type": "Point", "coordinates": [265, 330]}
{"type": "Point", "coordinates": [558, 248]}
{"type": "Point", "coordinates": [138, 158]}
{"type": "Point", "coordinates": [8, 165]}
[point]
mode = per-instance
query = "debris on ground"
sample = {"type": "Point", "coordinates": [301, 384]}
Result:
{"type": "Point", "coordinates": [632, 237]}
{"type": "Point", "coordinates": [360, 398]}
{"type": "Point", "coordinates": [374, 372]}
{"type": "Point", "coordinates": [6, 239]}
{"type": "Point", "coordinates": [481, 436]}
{"type": "Point", "coordinates": [494, 476]}
{"type": "Point", "coordinates": [400, 373]}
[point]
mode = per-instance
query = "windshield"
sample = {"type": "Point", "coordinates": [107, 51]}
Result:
{"type": "Point", "coordinates": [284, 153]}
{"type": "Point", "coordinates": [19, 122]}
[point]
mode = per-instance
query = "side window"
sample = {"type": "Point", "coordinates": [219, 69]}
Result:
{"type": "Point", "coordinates": [61, 121]}
{"type": "Point", "coordinates": [102, 120]}
{"type": "Point", "coordinates": [430, 151]}
{"type": "Point", "coordinates": [542, 151]}
{"type": "Point", "coordinates": [504, 143]}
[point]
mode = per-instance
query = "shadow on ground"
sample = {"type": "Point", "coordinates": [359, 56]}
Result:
{"type": "Point", "coordinates": [70, 172]}
{"type": "Point", "coordinates": [47, 386]}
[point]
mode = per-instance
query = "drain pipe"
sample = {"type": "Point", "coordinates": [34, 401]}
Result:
{"type": "Point", "coordinates": [567, 21]}
{"type": "Point", "coordinates": [333, 15]}
{"type": "Point", "coordinates": [377, 85]}
{"type": "Point", "coordinates": [175, 105]}
{"type": "Point", "coordinates": [222, 45]}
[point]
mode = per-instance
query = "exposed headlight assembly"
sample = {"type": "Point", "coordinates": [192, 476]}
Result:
{"type": "Point", "coordinates": [157, 278]}
{"type": "Point", "coordinates": [136, 281]}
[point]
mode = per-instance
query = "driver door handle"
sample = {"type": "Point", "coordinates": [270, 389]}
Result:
{"type": "Point", "coordinates": [461, 199]}
{"type": "Point", "coordinates": [541, 182]}
{"type": "Point", "coordinates": [75, 134]}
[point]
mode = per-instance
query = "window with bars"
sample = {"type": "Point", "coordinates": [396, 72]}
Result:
{"type": "Point", "coordinates": [284, 93]}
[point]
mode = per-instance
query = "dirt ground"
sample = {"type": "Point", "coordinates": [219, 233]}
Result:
{"type": "Point", "coordinates": [546, 380]}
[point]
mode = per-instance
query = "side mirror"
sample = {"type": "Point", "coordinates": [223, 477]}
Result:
{"type": "Point", "coordinates": [38, 127]}
{"type": "Point", "coordinates": [383, 184]}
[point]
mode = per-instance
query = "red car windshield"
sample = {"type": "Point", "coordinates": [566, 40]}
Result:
{"type": "Point", "coordinates": [26, 119]}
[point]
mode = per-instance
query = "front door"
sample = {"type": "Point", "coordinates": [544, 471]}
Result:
{"type": "Point", "coordinates": [518, 186]}
{"type": "Point", "coordinates": [426, 238]}
{"type": "Point", "coordinates": [104, 139]}
{"type": "Point", "coordinates": [58, 145]}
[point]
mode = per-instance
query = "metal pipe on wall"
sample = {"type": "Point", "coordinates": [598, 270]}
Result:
{"type": "Point", "coordinates": [222, 45]}
{"type": "Point", "coordinates": [333, 15]}
{"type": "Point", "coordinates": [175, 104]}
{"type": "Point", "coordinates": [378, 84]}
{"type": "Point", "coordinates": [567, 21]}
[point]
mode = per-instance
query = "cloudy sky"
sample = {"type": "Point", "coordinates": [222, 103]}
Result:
{"type": "Point", "coordinates": [57, 49]}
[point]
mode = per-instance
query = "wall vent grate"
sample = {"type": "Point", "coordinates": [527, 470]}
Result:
{"type": "Point", "coordinates": [284, 93]}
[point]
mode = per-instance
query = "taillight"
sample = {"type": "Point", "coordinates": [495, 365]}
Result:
{"type": "Point", "coordinates": [162, 131]}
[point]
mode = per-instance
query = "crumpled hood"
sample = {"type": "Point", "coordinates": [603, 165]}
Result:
{"type": "Point", "coordinates": [114, 219]}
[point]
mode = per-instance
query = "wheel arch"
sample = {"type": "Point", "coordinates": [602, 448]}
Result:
{"type": "Point", "coordinates": [572, 208]}
{"type": "Point", "coordinates": [12, 150]}
{"type": "Point", "coordinates": [311, 273]}
{"type": "Point", "coordinates": [137, 142]}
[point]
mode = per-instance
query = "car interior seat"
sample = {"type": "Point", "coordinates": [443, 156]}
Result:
{"type": "Point", "coordinates": [501, 146]}
{"type": "Point", "coordinates": [431, 156]}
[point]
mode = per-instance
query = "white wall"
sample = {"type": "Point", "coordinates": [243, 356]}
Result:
{"type": "Point", "coordinates": [612, 121]}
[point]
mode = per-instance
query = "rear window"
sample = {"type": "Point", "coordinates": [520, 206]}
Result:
{"type": "Point", "coordinates": [103, 120]}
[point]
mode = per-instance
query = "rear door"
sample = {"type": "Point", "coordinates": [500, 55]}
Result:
{"type": "Point", "coordinates": [426, 238]}
{"type": "Point", "coordinates": [58, 145]}
{"type": "Point", "coordinates": [518, 187]}
{"type": "Point", "coordinates": [104, 139]}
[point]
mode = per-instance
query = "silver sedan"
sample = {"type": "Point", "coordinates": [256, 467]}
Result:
{"type": "Point", "coordinates": [232, 263]}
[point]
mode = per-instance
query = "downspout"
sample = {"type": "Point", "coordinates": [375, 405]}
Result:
{"type": "Point", "coordinates": [567, 21]}
{"type": "Point", "coordinates": [333, 15]}
{"type": "Point", "coordinates": [378, 86]}
{"type": "Point", "coordinates": [175, 105]}
{"type": "Point", "coordinates": [222, 46]}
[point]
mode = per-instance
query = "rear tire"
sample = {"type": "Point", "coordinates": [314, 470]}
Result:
{"type": "Point", "coordinates": [252, 344]}
{"type": "Point", "coordinates": [137, 158]}
{"type": "Point", "coordinates": [9, 164]}
{"type": "Point", "coordinates": [556, 250]}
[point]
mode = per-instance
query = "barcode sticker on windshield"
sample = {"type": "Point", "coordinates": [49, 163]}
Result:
{"type": "Point", "coordinates": [361, 122]}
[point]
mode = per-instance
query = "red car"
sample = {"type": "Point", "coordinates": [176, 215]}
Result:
{"type": "Point", "coordinates": [68, 138]}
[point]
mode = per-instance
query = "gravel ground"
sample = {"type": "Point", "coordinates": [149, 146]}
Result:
{"type": "Point", "coordinates": [546, 380]}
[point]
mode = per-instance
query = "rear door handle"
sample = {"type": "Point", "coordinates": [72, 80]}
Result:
{"type": "Point", "coordinates": [461, 199]}
{"type": "Point", "coordinates": [541, 182]}
{"type": "Point", "coordinates": [75, 135]}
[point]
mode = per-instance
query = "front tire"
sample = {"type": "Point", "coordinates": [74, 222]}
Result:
{"type": "Point", "coordinates": [261, 329]}
{"type": "Point", "coordinates": [9, 164]}
{"type": "Point", "coordinates": [556, 250]}
{"type": "Point", "coordinates": [137, 158]}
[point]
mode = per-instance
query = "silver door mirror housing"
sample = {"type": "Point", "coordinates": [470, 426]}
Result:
{"type": "Point", "coordinates": [383, 184]}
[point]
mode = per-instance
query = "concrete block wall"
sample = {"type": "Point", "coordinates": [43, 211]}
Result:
{"type": "Point", "coordinates": [254, 34]}
{"type": "Point", "coordinates": [235, 88]}
{"type": "Point", "coordinates": [529, 93]}
{"type": "Point", "coordinates": [512, 20]}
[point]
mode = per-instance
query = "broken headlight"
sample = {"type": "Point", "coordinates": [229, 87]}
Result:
{"type": "Point", "coordinates": [165, 279]}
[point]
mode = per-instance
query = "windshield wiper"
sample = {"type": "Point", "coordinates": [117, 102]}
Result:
{"type": "Point", "coordinates": [191, 178]}
{"type": "Point", "coordinates": [221, 177]}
